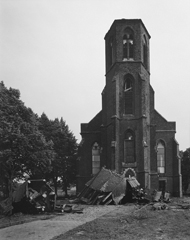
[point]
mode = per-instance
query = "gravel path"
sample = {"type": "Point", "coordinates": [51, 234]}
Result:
{"type": "Point", "coordinates": [47, 229]}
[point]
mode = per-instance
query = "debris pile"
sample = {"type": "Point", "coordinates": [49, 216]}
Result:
{"type": "Point", "coordinates": [108, 187]}
{"type": "Point", "coordinates": [159, 196]}
{"type": "Point", "coordinates": [105, 188]}
{"type": "Point", "coordinates": [32, 196]}
{"type": "Point", "coordinates": [160, 206]}
{"type": "Point", "coordinates": [69, 208]}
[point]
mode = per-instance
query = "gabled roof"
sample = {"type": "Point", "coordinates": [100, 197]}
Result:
{"type": "Point", "coordinates": [93, 125]}
{"type": "Point", "coordinates": [162, 123]}
{"type": "Point", "coordinates": [158, 115]}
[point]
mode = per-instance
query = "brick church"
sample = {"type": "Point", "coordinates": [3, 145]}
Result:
{"type": "Point", "coordinates": [128, 135]}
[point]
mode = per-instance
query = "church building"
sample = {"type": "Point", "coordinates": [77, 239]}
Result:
{"type": "Point", "coordinates": [128, 135]}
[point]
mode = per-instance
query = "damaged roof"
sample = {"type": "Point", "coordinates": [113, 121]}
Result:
{"type": "Point", "coordinates": [108, 181]}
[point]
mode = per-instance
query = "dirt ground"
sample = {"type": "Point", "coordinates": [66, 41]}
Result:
{"type": "Point", "coordinates": [121, 222]}
{"type": "Point", "coordinates": [20, 218]}
{"type": "Point", "coordinates": [48, 228]}
{"type": "Point", "coordinates": [135, 222]}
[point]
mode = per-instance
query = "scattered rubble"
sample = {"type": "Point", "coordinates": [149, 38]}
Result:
{"type": "Point", "coordinates": [30, 197]}
{"type": "Point", "coordinates": [159, 196]}
{"type": "Point", "coordinates": [184, 205]}
{"type": "Point", "coordinates": [107, 188]}
{"type": "Point", "coordinates": [160, 206]}
{"type": "Point", "coordinates": [68, 208]}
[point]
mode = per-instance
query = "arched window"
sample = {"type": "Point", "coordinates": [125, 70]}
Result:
{"type": "Point", "coordinates": [129, 147]}
{"type": "Point", "coordinates": [128, 47]}
{"type": "Point", "coordinates": [145, 52]}
{"type": "Point", "coordinates": [128, 95]}
{"type": "Point", "coordinates": [95, 158]}
{"type": "Point", "coordinates": [161, 157]}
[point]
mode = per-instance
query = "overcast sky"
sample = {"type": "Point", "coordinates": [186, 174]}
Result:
{"type": "Point", "coordinates": [53, 52]}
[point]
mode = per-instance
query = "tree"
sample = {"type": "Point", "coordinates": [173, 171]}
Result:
{"type": "Point", "coordinates": [185, 169]}
{"type": "Point", "coordinates": [65, 147]}
{"type": "Point", "coordinates": [23, 148]}
{"type": "Point", "coordinates": [69, 155]}
{"type": "Point", "coordinates": [50, 129]}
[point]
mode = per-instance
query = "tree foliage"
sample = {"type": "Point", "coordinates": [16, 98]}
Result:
{"type": "Point", "coordinates": [65, 147]}
{"type": "Point", "coordinates": [23, 148]}
{"type": "Point", "coordinates": [40, 147]}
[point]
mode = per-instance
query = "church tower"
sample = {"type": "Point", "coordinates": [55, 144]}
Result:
{"type": "Point", "coordinates": [126, 98]}
{"type": "Point", "coordinates": [128, 135]}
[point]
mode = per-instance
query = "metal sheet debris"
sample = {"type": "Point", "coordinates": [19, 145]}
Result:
{"type": "Point", "coordinates": [107, 187]}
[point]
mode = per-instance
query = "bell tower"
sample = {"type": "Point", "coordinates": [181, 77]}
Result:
{"type": "Point", "coordinates": [126, 98]}
{"type": "Point", "coordinates": [128, 134]}
{"type": "Point", "coordinates": [127, 41]}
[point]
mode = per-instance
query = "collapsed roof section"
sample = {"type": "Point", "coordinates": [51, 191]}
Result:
{"type": "Point", "coordinates": [107, 187]}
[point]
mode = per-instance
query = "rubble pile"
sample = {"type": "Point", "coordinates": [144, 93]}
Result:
{"type": "Point", "coordinates": [106, 188]}
{"type": "Point", "coordinates": [32, 197]}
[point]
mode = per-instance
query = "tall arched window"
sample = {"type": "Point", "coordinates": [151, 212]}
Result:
{"type": "Point", "coordinates": [145, 52]}
{"type": "Point", "coordinates": [161, 157]}
{"type": "Point", "coordinates": [129, 147]}
{"type": "Point", "coordinates": [95, 158]}
{"type": "Point", "coordinates": [128, 45]}
{"type": "Point", "coordinates": [128, 95]}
